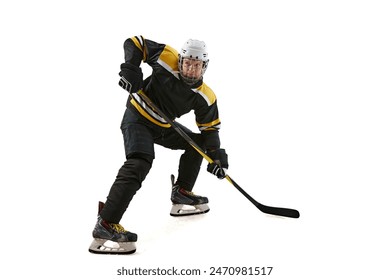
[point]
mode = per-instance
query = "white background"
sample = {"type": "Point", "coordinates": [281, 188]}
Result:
{"type": "Point", "coordinates": [303, 92]}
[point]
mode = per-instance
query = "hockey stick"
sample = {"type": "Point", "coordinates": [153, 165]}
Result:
{"type": "Point", "coordinates": [286, 212]}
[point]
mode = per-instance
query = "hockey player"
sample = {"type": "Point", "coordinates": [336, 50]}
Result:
{"type": "Point", "coordinates": [176, 87]}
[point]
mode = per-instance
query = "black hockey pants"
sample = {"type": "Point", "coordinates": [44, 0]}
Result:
{"type": "Point", "coordinates": [139, 136]}
{"type": "Point", "coordinates": [127, 183]}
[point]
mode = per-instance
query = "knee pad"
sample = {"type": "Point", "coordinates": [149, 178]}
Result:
{"type": "Point", "coordinates": [137, 168]}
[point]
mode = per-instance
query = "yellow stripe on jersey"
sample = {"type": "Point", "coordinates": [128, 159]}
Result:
{"type": "Point", "coordinates": [140, 45]}
{"type": "Point", "coordinates": [209, 126]}
{"type": "Point", "coordinates": [170, 57]}
{"type": "Point", "coordinates": [207, 93]}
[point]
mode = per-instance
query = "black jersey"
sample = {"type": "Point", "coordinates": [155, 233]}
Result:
{"type": "Point", "coordinates": [172, 95]}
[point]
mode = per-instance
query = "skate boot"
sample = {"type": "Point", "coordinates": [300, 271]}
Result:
{"type": "Point", "coordinates": [111, 238]}
{"type": "Point", "coordinates": [186, 203]}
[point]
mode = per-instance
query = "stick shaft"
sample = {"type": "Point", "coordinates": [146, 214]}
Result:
{"type": "Point", "coordinates": [286, 212]}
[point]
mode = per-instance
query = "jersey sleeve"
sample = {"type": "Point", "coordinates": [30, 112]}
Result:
{"type": "Point", "coordinates": [138, 49]}
{"type": "Point", "coordinates": [135, 51]}
{"type": "Point", "coordinates": [207, 117]}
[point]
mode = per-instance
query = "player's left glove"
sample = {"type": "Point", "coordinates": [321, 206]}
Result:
{"type": "Point", "coordinates": [220, 164]}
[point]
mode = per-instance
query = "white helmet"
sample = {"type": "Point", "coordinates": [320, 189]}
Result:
{"type": "Point", "coordinates": [193, 49]}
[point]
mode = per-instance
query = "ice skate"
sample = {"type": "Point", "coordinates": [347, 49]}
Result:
{"type": "Point", "coordinates": [111, 238]}
{"type": "Point", "coordinates": [186, 203]}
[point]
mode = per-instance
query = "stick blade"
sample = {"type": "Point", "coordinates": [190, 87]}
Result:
{"type": "Point", "coordinates": [285, 212]}
{"type": "Point", "coordinates": [278, 211]}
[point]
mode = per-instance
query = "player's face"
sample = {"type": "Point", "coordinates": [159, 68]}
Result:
{"type": "Point", "coordinates": [192, 68]}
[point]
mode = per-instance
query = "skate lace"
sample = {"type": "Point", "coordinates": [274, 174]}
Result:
{"type": "Point", "coordinates": [190, 193]}
{"type": "Point", "coordinates": [118, 228]}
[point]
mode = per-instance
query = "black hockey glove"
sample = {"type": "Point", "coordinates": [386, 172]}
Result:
{"type": "Point", "coordinates": [220, 164]}
{"type": "Point", "coordinates": [133, 75]}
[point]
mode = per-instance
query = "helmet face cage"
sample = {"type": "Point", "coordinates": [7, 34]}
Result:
{"type": "Point", "coordinates": [193, 49]}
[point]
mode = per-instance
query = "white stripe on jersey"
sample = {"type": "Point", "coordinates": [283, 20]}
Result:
{"type": "Point", "coordinates": [140, 40]}
{"type": "Point", "coordinates": [168, 68]}
{"type": "Point", "coordinates": [148, 109]}
{"type": "Point", "coordinates": [203, 95]}
{"type": "Point", "coordinates": [201, 128]}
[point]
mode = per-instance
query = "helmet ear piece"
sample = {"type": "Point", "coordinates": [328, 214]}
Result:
{"type": "Point", "coordinates": [205, 64]}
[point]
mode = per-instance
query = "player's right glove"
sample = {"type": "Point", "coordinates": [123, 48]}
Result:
{"type": "Point", "coordinates": [133, 77]}
{"type": "Point", "coordinates": [220, 164]}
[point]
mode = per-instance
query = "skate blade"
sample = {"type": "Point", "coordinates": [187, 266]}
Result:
{"type": "Point", "coordinates": [103, 246]}
{"type": "Point", "coordinates": [187, 210]}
